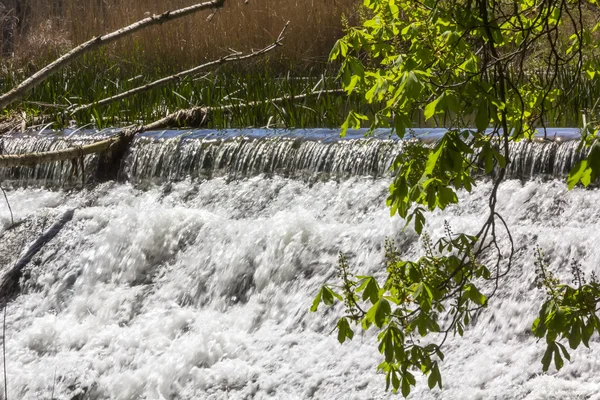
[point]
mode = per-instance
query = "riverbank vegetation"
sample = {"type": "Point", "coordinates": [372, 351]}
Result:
{"type": "Point", "coordinates": [36, 32]}
{"type": "Point", "coordinates": [97, 78]}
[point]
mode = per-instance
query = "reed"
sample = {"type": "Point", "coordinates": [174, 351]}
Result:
{"type": "Point", "coordinates": [96, 77]}
{"type": "Point", "coordinates": [576, 96]}
{"type": "Point", "coordinates": [47, 27]}
{"type": "Point", "coordinates": [52, 26]}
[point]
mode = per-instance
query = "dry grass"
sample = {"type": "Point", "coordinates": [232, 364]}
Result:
{"type": "Point", "coordinates": [51, 25]}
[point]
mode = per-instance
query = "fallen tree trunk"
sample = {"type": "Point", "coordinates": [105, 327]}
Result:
{"type": "Point", "coordinates": [195, 116]}
{"type": "Point", "coordinates": [21, 121]}
{"type": "Point", "coordinates": [9, 283]}
{"type": "Point", "coordinates": [20, 90]}
{"type": "Point", "coordinates": [178, 76]}
{"type": "Point", "coordinates": [28, 159]}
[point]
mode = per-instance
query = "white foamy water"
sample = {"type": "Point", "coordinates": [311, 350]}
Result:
{"type": "Point", "coordinates": [202, 290]}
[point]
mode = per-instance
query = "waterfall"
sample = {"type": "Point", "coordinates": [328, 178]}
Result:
{"type": "Point", "coordinates": [192, 277]}
{"type": "Point", "coordinates": [160, 157]}
{"type": "Point", "coordinates": [177, 159]}
{"type": "Point", "coordinates": [58, 174]}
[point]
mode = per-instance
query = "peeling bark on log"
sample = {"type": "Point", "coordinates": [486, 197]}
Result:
{"type": "Point", "coordinates": [19, 91]}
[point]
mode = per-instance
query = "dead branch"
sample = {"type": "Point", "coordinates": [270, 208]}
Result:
{"type": "Point", "coordinates": [28, 159]}
{"type": "Point", "coordinates": [176, 77]}
{"type": "Point", "coordinates": [12, 217]}
{"type": "Point", "coordinates": [196, 116]}
{"type": "Point", "coordinates": [229, 107]}
{"type": "Point", "coordinates": [9, 282]}
{"type": "Point", "coordinates": [19, 91]}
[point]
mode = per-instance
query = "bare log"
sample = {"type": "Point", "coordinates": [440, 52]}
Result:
{"type": "Point", "coordinates": [19, 91]}
{"type": "Point", "coordinates": [178, 76]}
{"type": "Point", "coordinates": [194, 116]}
{"type": "Point", "coordinates": [28, 159]}
{"type": "Point", "coordinates": [9, 282]}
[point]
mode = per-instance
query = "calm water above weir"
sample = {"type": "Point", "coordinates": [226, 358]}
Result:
{"type": "Point", "coordinates": [192, 276]}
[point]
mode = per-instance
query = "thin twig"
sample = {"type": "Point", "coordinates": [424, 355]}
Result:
{"type": "Point", "coordinates": [12, 219]}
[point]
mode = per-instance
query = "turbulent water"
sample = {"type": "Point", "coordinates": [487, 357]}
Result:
{"type": "Point", "coordinates": [170, 285]}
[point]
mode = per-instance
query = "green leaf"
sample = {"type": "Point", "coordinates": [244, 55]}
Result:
{"type": "Point", "coordinates": [353, 121]}
{"type": "Point", "coordinates": [487, 155]}
{"type": "Point", "coordinates": [388, 377]}
{"type": "Point", "coordinates": [564, 351]}
{"type": "Point", "coordinates": [316, 301]}
{"type": "Point", "coordinates": [405, 386]}
{"type": "Point", "coordinates": [383, 310]}
{"type": "Point", "coordinates": [558, 361]}
{"type": "Point", "coordinates": [434, 156]}
{"type": "Point", "coordinates": [335, 51]}
{"type": "Point", "coordinates": [344, 330]}
{"type": "Point", "coordinates": [460, 329]}
{"type": "Point", "coordinates": [499, 157]}
{"type": "Point", "coordinates": [430, 108]}
{"type": "Point", "coordinates": [575, 334]}
{"type": "Point", "coordinates": [400, 125]}
{"type": "Point", "coordinates": [590, 73]}
{"type": "Point", "coordinates": [395, 380]}
{"type": "Point", "coordinates": [482, 118]}
{"type": "Point", "coordinates": [586, 333]}
{"type": "Point", "coordinates": [345, 127]}
{"type": "Point", "coordinates": [419, 221]}
{"type": "Point", "coordinates": [371, 289]}
{"type": "Point", "coordinates": [328, 296]}
{"type": "Point", "coordinates": [413, 86]}
{"type": "Point", "coordinates": [577, 174]}
{"type": "Point", "coordinates": [547, 358]}
{"type": "Point", "coordinates": [439, 353]}
{"type": "Point", "coordinates": [418, 290]}
{"type": "Point", "coordinates": [388, 346]}
{"type": "Point", "coordinates": [477, 297]}
{"type": "Point", "coordinates": [447, 196]}
{"type": "Point", "coordinates": [434, 377]}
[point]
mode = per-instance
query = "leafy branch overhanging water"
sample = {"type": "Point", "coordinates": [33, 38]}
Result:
{"type": "Point", "coordinates": [467, 63]}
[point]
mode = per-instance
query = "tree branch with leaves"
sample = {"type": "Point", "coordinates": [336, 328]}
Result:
{"type": "Point", "coordinates": [469, 64]}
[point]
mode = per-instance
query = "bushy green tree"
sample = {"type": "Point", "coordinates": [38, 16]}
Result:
{"type": "Point", "coordinates": [490, 66]}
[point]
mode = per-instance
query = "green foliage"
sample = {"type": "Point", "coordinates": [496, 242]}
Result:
{"type": "Point", "coordinates": [568, 313]}
{"type": "Point", "coordinates": [408, 305]}
{"type": "Point", "coordinates": [492, 72]}
{"type": "Point", "coordinates": [97, 77]}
